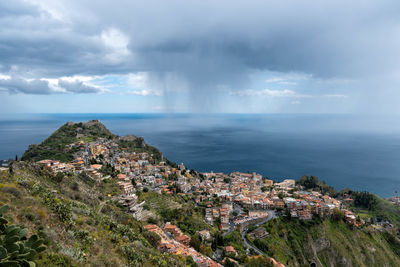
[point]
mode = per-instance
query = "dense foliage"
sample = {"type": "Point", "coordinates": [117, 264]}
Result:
{"type": "Point", "coordinates": [312, 183]}
{"type": "Point", "coordinates": [364, 200]}
{"type": "Point", "coordinates": [327, 242]}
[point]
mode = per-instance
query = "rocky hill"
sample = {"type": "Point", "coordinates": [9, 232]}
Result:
{"type": "Point", "coordinates": [57, 145]}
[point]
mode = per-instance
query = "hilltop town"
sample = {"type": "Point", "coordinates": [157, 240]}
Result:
{"type": "Point", "coordinates": [198, 218]}
{"type": "Point", "coordinates": [234, 201]}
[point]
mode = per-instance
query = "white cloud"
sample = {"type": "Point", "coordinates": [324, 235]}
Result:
{"type": "Point", "coordinates": [116, 43]}
{"type": "Point", "coordinates": [78, 78]}
{"type": "Point", "coordinates": [140, 84]}
{"type": "Point", "coordinates": [145, 92]}
{"type": "Point", "coordinates": [138, 80]}
{"type": "Point", "coordinates": [4, 76]}
{"type": "Point", "coordinates": [288, 79]}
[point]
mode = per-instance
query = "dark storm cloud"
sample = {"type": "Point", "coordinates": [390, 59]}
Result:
{"type": "Point", "coordinates": [18, 85]}
{"type": "Point", "coordinates": [203, 43]}
{"type": "Point", "coordinates": [78, 87]}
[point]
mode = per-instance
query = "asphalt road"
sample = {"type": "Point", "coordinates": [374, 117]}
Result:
{"type": "Point", "coordinates": [271, 215]}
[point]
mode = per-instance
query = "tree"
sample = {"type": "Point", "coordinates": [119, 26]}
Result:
{"type": "Point", "coordinates": [229, 263]}
{"type": "Point", "coordinates": [337, 215]}
{"type": "Point", "coordinates": [261, 261]}
{"type": "Point", "coordinates": [195, 242]}
{"type": "Point", "coordinates": [261, 244]}
{"type": "Point", "coordinates": [217, 241]}
{"type": "Point", "coordinates": [190, 262]}
{"type": "Point", "coordinates": [173, 177]}
{"type": "Point", "coordinates": [264, 188]}
{"type": "Point", "coordinates": [364, 200]}
{"type": "Point", "coordinates": [153, 238]}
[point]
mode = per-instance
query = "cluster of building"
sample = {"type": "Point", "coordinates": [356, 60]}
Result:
{"type": "Point", "coordinates": [395, 200]}
{"type": "Point", "coordinates": [250, 218]}
{"type": "Point", "coordinates": [252, 192]}
{"type": "Point", "coordinates": [223, 213]}
{"type": "Point", "coordinates": [173, 241]}
{"type": "Point", "coordinates": [249, 191]}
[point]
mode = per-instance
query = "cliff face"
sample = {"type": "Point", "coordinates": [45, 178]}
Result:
{"type": "Point", "coordinates": [328, 243]}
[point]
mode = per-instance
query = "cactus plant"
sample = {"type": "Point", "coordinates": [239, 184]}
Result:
{"type": "Point", "coordinates": [15, 248]}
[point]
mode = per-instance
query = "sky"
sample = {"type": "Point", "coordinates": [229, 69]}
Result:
{"type": "Point", "coordinates": [79, 56]}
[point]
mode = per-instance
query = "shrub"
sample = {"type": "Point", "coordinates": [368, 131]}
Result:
{"type": "Point", "coordinates": [84, 237]}
{"type": "Point", "coordinates": [75, 186]}
{"type": "Point", "coordinates": [11, 190]}
{"type": "Point", "coordinates": [53, 259]}
{"type": "Point", "coordinates": [58, 177]}
{"type": "Point", "coordinates": [153, 238]}
{"type": "Point", "coordinates": [152, 220]}
{"type": "Point", "coordinates": [86, 179]}
{"type": "Point", "coordinates": [30, 217]}
{"type": "Point", "coordinates": [42, 214]}
{"type": "Point", "coordinates": [134, 258]}
{"type": "Point", "coordinates": [15, 248]}
{"type": "Point", "coordinates": [338, 215]}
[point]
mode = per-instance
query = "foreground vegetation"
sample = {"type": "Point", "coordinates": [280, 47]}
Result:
{"type": "Point", "coordinates": [328, 243]}
{"type": "Point", "coordinates": [78, 224]}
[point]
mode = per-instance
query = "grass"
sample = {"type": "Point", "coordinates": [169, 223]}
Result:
{"type": "Point", "coordinates": [54, 147]}
{"type": "Point", "coordinates": [75, 233]}
{"type": "Point", "coordinates": [297, 243]}
{"type": "Point", "coordinates": [178, 210]}
{"type": "Point", "coordinates": [383, 209]}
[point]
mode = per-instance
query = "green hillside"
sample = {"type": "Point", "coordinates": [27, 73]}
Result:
{"type": "Point", "coordinates": [56, 145]}
{"type": "Point", "coordinates": [328, 243]}
{"type": "Point", "coordinates": [79, 224]}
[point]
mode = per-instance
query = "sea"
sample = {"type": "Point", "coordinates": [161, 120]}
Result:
{"type": "Point", "coordinates": [345, 151]}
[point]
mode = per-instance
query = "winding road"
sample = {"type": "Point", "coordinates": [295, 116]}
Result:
{"type": "Point", "coordinates": [271, 215]}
